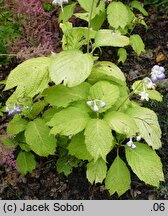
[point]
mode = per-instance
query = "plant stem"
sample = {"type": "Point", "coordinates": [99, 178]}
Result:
{"type": "Point", "coordinates": [8, 54]}
{"type": "Point", "coordinates": [129, 96]}
{"type": "Point", "coordinates": [89, 24]}
{"type": "Point", "coordinates": [117, 151]}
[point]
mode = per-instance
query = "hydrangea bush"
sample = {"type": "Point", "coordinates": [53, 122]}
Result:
{"type": "Point", "coordinates": [79, 108]}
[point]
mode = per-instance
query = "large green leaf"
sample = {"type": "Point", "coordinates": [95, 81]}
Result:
{"type": "Point", "coordinates": [98, 138]}
{"type": "Point", "coordinates": [106, 37]}
{"type": "Point", "coordinates": [16, 125]}
{"type": "Point", "coordinates": [75, 37]}
{"type": "Point", "coordinates": [67, 13]}
{"type": "Point", "coordinates": [66, 163]}
{"type": "Point", "coordinates": [31, 75]}
{"type": "Point", "coordinates": [17, 94]}
{"type": "Point", "coordinates": [155, 95]}
{"type": "Point", "coordinates": [121, 123]}
{"type": "Point", "coordinates": [105, 70]}
{"type": "Point", "coordinates": [38, 138]}
{"type": "Point", "coordinates": [25, 147]}
{"type": "Point", "coordinates": [69, 121]}
{"type": "Point", "coordinates": [98, 20]}
{"type": "Point", "coordinates": [82, 105]}
{"type": "Point", "coordinates": [83, 16]}
{"type": "Point", "coordinates": [77, 147]}
{"type": "Point", "coordinates": [87, 6]}
{"type": "Point", "coordinates": [36, 109]}
{"type": "Point", "coordinates": [96, 171]}
{"type": "Point", "coordinates": [131, 16]}
{"type": "Point", "coordinates": [147, 123]}
{"type": "Point", "coordinates": [62, 96]}
{"type": "Point", "coordinates": [106, 92]}
{"type": "Point", "coordinates": [137, 5]}
{"type": "Point", "coordinates": [70, 67]}
{"type": "Point", "coordinates": [25, 162]}
{"type": "Point", "coordinates": [145, 163]}
{"type": "Point", "coordinates": [48, 114]}
{"type": "Point", "coordinates": [123, 101]}
{"type": "Point", "coordinates": [117, 15]}
{"type": "Point", "coordinates": [98, 14]}
{"type": "Point", "coordinates": [118, 177]}
{"type": "Point", "coordinates": [137, 44]}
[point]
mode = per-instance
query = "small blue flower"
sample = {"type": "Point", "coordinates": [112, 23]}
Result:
{"type": "Point", "coordinates": [95, 108]}
{"type": "Point", "coordinates": [89, 103]}
{"type": "Point", "coordinates": [96, 104]}
{"type": "Point", "coordinates": [133, 146]}
{"type": "Point", "coordinates": [102, 104]}
{"type": "Point", "coordinates": [154, 78]}
{"type": "Point", "coordinates": [162, 69]}
{"type": "Point", "coordinates": [130, 142]}
{"type": "Point", "coordinates": [138, 138]}
{"type": "Point", "coordinates": [161, 76]}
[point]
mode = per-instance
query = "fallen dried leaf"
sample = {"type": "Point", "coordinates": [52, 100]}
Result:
{"type": "Point", "coordinates": [160, 57]}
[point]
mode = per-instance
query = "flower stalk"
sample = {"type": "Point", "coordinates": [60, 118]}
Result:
{"type": "Point", "coordinates": [89, 26]}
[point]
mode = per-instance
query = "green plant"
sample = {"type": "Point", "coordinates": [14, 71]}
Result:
{"type": "Point", "coordinates": [121, 21]}
{"type": "Point", "coordinates": [81, 109]}
{"type": "Point", "coordinates": [9, 30]}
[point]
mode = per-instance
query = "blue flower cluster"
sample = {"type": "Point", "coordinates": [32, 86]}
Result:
{"type": "Point", "coordinates": [95, 104]}
{"type": "Point", "coordinates": [131, 144]}
{"type": "Point", "coordinates": [157, 73]}
{"type": "Point", "coordinates": [15, 109]}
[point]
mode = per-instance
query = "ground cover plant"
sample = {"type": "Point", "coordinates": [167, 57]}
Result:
{"type": "Point", "coordinates": [80, 109]}
{"type": "Point", "coordinates": [9, 30]}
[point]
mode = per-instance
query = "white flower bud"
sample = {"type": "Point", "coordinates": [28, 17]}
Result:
{"type": "Point", "coordinates": [113, 32]}
{"type": "Point", "coordinates": [59, 2]}
{"type": "Point", "coordinates": [133, 146]}
{"type": "Point", "coordinates": [129, 143]}
{"type": "Point", "coordinates": [144, 96]}
{"type": "Point", "coordinates": [102, 104]}
{"type": "Point", "coordinates": [138, 138]}
{"type": "Point", "coordinates": [149, 83]}
{"type": "Point", "coordinates": [89, 103]}
{"type": "Point", "coordinates": [95, 108]}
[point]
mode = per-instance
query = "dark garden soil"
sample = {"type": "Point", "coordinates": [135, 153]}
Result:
{"type": "Point", "coordinates": [45, 183]}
